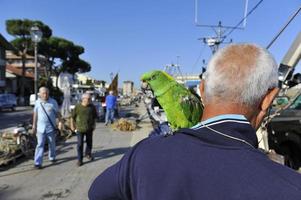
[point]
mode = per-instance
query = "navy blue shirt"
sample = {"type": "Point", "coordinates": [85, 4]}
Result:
{"type": "Point", "coordinates": [199, 163]}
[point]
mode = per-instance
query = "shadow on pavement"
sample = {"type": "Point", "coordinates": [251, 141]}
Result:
{"type": "Point", "coordinates": [61, 148]}
{"type": "Point", "coordinates": [106, 153]}
{"type": "Point", "coordinates": [60, 161]}
{"type": "Point", "coordinates": [6, 190]}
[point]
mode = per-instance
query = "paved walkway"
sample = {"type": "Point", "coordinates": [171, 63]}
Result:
{"type": "Point", "coordinates": [64, 180]}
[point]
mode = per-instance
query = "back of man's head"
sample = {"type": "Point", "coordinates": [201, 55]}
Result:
{"type": "Point", "coordinates": [241, 74]}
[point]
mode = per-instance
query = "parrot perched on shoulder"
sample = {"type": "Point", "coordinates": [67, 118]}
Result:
{"type": "Point", "coordinates": [183, 109]}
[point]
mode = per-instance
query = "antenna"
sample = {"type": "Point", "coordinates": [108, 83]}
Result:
{"type": "Point", "coordinates": [214, 41]}
{"type": "Point", "coordinates": [217, 26]}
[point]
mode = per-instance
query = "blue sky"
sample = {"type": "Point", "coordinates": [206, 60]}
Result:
{"type": "Point", "coordinates": [135, 36]}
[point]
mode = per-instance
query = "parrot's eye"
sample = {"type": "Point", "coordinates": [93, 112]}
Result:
{"type": "Point", "coordinates": [153, 77]}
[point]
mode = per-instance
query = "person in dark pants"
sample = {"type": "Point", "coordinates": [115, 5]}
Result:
{"type": "Point", "coordinates": [83, 123]}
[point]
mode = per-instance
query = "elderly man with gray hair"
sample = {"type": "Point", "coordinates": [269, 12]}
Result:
{"type": "Point", "coordinates": [219, 157]}
{"type": "Point", "coordinates": [83, 124]}
{"type": "Point", "coordinates": [44, 126]}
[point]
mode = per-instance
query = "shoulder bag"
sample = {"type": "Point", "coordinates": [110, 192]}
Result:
{"type": "Point", "coordinates": [55, 129]}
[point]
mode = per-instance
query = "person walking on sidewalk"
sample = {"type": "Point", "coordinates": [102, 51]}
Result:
{"type": "Point", "coordinates": [219, 157]}
{"type": "Point", "coordinates": [83, 123]}
{"type": "Point", "coordinates": [111, 105]}
{"type": "Point", "coordinates": [44, 126]}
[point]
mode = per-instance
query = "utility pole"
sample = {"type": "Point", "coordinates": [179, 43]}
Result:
{"type": "Point", "coordinates": [220, 31]}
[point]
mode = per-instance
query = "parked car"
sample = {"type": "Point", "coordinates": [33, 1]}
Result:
{"type": "Point", "coordinates": [8, 101]}
{"type": "Point", "coordinates": [74, 99]}
{"type": "Point", "coordinates": [284, 133]}
{"type": "Point", "coordinates": [100, 110]}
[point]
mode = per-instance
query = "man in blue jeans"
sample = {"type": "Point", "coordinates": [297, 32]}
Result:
{"type": "Point", "coordinates": [110, 104]}
{"type": "Point", "coordinates": [44, 125]}
{"type": "Point", "coordinates": [83, 123]}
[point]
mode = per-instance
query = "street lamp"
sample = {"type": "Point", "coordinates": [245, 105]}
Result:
{"type": "Point", "coordinates": [36, 37]}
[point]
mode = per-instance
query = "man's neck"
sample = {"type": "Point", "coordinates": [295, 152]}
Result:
{"type": "Point", "coordinates": [212, 110]}
{"type": "Point", "coordinates": [44, 100]}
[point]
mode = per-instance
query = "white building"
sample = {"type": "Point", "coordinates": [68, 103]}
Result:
{"type": "Point", "coordinates": [128, 88]}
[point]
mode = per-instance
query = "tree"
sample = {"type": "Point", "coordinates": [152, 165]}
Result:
{"type": "Point", "coordinates": [66, 53]}
{"type": "Point", "coordinates": [54, 48]}
{"type": "Point", "coordinates": [20, 29]}
{"type": "Point", "coordinates": [75, 65]}
{"type": "Point", "coordinates": [62, 54]}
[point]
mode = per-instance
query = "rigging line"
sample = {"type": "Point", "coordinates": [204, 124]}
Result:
{"type": "Point", "coordinates": [284, 27]}
{"type": "Point", "coordinates": [242, 20]}
{"type": "Point", "coordinates": [197, 60]}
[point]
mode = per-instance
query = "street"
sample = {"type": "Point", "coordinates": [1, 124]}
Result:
{"type": "Point", "coordinates": [13, 118]}
{"type": "Point", "coordinates": [63, 179]}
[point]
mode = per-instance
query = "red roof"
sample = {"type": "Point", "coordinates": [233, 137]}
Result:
{"type": "Point", "coordinates": [18, 71]}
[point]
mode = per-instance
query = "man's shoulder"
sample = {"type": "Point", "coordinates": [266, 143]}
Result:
{"type": "Point", "coordinates": [161, 145]}
{"type": "Point", "coordinates": [284, 173]}
{"type": "Point", "coordinates": [37, 102]}
{"type": "Point", "coordinates": [52, 101]}
{"type": "Point", "coordinates": [78, 106]}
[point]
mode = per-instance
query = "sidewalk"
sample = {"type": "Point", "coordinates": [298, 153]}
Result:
{"type": "Point", "coordinates": [145, 126]}
{"type": "Point", "coordinates": [63, 179]}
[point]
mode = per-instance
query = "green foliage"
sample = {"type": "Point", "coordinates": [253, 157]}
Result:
{"type": "Point", "coordinates": [53, 48]}
{"type": "Point", "coordinates": [89, 82]}
{"type": "Point", "coordinates": [20, 29]}
{"type": "Point", "coordinates": [67, 52]}
{"type": "Point", "coordinates": [75, 65]}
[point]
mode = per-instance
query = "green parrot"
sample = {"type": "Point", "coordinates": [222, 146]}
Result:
{"type": "Point", "coordinates": [183, 109]}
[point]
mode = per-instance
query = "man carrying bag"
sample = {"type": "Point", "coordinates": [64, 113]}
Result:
{"type": "Point", "coordinates": [45, 112]}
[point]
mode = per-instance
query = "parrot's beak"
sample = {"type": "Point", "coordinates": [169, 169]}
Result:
{"type": "Point", "coordinates": [144, 85]}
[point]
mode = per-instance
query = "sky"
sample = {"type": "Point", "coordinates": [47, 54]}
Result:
{"type": "Point", "coordinates": [131, 37]}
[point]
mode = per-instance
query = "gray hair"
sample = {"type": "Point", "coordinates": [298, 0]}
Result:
{"type": "Point", "coordinates": [86, 95]}
{"type": "Point", "coordinates": [44, 88]}
{"type": "Point", "coordinates": [240, 73]}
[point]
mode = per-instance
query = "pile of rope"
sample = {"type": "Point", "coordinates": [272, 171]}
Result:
{"type": "Point", "coordinates": [124, 125]}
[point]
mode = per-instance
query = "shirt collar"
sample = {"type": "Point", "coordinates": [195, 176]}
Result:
{"type": "Point", "coordinates": [219, 118]}
{"type": "Point", "coordinates": [230, 124]}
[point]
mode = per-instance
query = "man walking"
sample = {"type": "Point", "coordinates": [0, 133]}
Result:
{"type": "Point", "coordinates": [83, 123]}
{"type": "Point", "coordinates": [110, 106]}
{"type": "Point", "coordinates": [44, 126]}
{"type": "Point", "coordinates": [218, 158]}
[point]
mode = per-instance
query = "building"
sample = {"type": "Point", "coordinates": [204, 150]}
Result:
{"type": "Point", "coordinates": [128, 88]}
{"type": "Point", "coordinates": [83, 79]}
{"type": "Point", "coordinates": [4, 45]}
{"type": "Point", "coordinates": [13, 80]}
{"type": "Point", "coordinates": [191, 82]}
{"type": "Point", "coordinates": [16, 61]}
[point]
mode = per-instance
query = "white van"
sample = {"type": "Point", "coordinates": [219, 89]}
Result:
{"type": "Point", "coordinates": [32, 100]}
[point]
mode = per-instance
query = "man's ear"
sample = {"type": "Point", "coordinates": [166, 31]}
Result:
{"type": "Point", "coordinates": [268, 99]}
